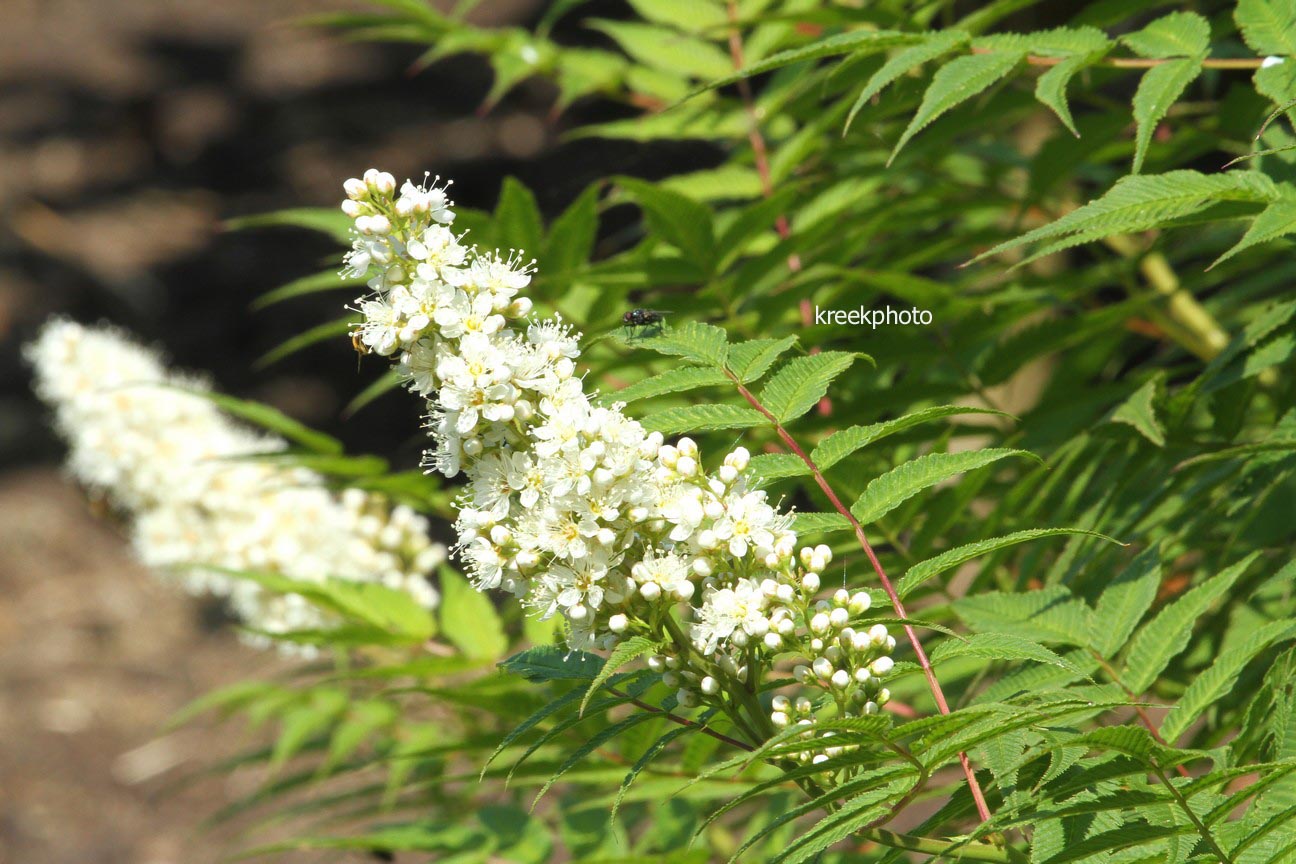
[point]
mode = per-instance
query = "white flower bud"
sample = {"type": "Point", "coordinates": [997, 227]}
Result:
{"type": "Point", "coordinates": [650, 591]}
{"type": "Point", "coordinates": [578, 612]}
{"type": "Point", "coordinates": [878, 634]}
{"type": "Point", "coordinates": [819, 623]}
{"type": "Point", "coordinates": [773, 641]}
{"type": "Point", "coordinates": [779, 719]}
{"type": "Point", "coordinates": [786, 627]}
{"type": "Point", "coordinates": [656, 662]}
{"type": "Point", "coordinates": [824, 552]}
{"type": "Point", "coordinates": [822, 668]}
{"type": "Point", "coordinates": [356, 189]}
{"type": "Point", "coordinates": [686, 699]}
{"type": "Point", "coordinates": [818, 758]}
{"type": "Point", "coordinates": [881, 666]}
{"type": "Point", "coordinates": [710, 686]}
{"type": "Point", "coordinates": [780, 702]}
{"type": "Point", "coordinates": [785, 593]}
{"type": "Point", "coordinates": [683, 590]}
{"type": "Point", "coordinates": [686, 466]}
{"type": "Point", "coordinates": [804, 705]}
{"type": "Point", "coordinates": [671, 679]}
{"type": "Point", "coordinates": [618, 623]}
{"type": "Point", "coordinates": [860, 602]}
{"type": "Point", "coordinates": [801, 673]}
{"type": "Point", "coordinates": [841, 596]}
{"type": "Point", "coordinates": [840, 679]}
{"type": "Point", "coordinates": [810, 582]}
{"type": "Point", "coordinates": [839, 618]}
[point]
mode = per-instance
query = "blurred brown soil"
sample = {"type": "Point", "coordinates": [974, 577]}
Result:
{"type": "Point", "coordinates": [96, 653]}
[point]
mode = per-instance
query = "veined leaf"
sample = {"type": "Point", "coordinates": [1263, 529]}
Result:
{"type": "Point", "coordinates": [1125, 600]}
{"type": "Point", "coordinates": [843, 443]}
{"type": "Point", "coordinates": [623, 653]}
{"type": "Point", "coordinates": [1179, 34]}
{"type": "Point", "coordinates": [1162, 638]}
{"type": "Point", "coordinates": [802, 382]}
{"type": "Point", "coordinates": [1051, 87]}
{"type": "Point", "coordinates": [701, 343]}
{"type": "Point", "coordinates": [955, 83]}
{"type": "Point", "coordinates": [677, 380]}
{"type": "Point", "coordinates": [952, 558]}
{"type": "Point", "coordinates": [887, 492]}
{"type": "Point", "coordinates": [860, 43]}
{"type": "Point", "coordinates": [1002, 646]}
{"type": "Point", "coordinates": [1268, 26]}
{"type": "Point", "coordinates": [1212, 684]}
{"type": "Point", "coordinates": [752, 359]}
{"type": "Point", "coordinates": [553, 663]}
{"type": "Point", "coordinates": [819, 523]}
{"type": "Point", "coordinates": [934, 45]}
{"type": "Point", "coordinates": [1139, 203]}
{"type": "Point", "coordinates": [777, 466]}
{"type": "Point", "coordinates": [571, 237]}
{"type": "Point", "coordinates": [517, 217]}
{"type": "Point", "coordinates": [1157, 91]}
{"type": "Point", "coordinates": [1276, 220]}
{"type": "Point", "coordinates": [697, 418]}
{"type": "Point", "coordinates": [1138, 411]}
{"type": "Point", "coordinates": [1050, 614]}
{"type": "Point", "coordinates": [1240, 451]}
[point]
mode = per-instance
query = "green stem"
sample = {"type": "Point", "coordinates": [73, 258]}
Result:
{"type": "Point", "coordinates": [1192, 816]}
{"type": "Point", "coordinates": [952, 849]}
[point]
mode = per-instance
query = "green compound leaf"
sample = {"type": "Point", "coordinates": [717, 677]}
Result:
{"type": "Point", "coordinates": [801, 383]}
{"type": "Point", "coordinates": [553, 663]}
{"type": "Point", "coordinates": [949, 560]}
{"type": "Point", "coordinates": [701, 418]}
{"type": "Point", "coordinates": [889, 491]}
{"type": "Point", "coordinates": [1051, 87]}
{"type": "Point", "coordinates": [1179, 34]}
{"type": "Point", "coordinates": [955, 83]}
{"type": "Point", "coordinates": [680, 220]}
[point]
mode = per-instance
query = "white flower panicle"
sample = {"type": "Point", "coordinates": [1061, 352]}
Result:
{"type": "Point", "coordinates": [169, 459]}
{"type": "Point", "coordinates": [573, 506]}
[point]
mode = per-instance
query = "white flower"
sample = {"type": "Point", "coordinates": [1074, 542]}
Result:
{"type": "Point", "coordinates": [729, 610]}
{"type": "Point", "coordinates": [168, 459]}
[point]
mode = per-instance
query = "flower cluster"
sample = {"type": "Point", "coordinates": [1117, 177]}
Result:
{"type": "Point", "coordinates": [179, 471]}
{"type": "Point", "coordinates": [571, 505]}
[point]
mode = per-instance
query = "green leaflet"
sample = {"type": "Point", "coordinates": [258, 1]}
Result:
{"type": "Point", "coordinates": [694, 418]}
{"type": "Point", "coordinates": [667, 49]}
{"type": "Point", "coordinates": [1139, 203]}
{"type": "Point", "coordinates": [752, 359]}
{"type": "Point", "coordinates": [631, 649]}
{"type": "Point", "coordinates": [1276, 220]}
{"type": "Point", "coordinates": [799, 385]}
{"type": "Point", "coordinates": [884, 494]}
{"type": "Point", "coordinates": [953, 558]}
{"type": "Point", "coordinates": [1215, 682]}
{"type": "Point", "coordinates": [935, 45]}
{"type": "Point", "coordinates": [1140, 412]}
{"type": "Point", "coordinates": [701, 343]}
{"type": "Point", "coordinates": [819, 523]}
{"type": "Point", "coordinates": [1162, 638]}
{"type": "Point", "coordinates": [843, 443]}
{"type": "Point", "coordinates": [677, 380]}
{"type": "Point", "coordinates": [517, 217]}
{"type": "Point", "coordinates": [854, 42]}
{"type": "Point", "coordinates": [683, 222]}
{"type": "Point", "coordinates": [1268, 26]}
{"type": "Point", "coordinates": [776, 466]}
{"type": "Point", "coordinates": [553, 663]}
{"type": "Point", "coordinates": [1125, 600]}
{"type": "Point", "coordinates": [1001, 646]}
{"type": "Point", "coordinates": [1160, 88]}
{"type": "Point", "coordinates": [955, 83]}
{"type": "Point", "coordinates": [1048, 615]}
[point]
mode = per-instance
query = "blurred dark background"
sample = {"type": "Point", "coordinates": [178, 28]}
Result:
{"type": "Point", "coordinates": [130, 131]}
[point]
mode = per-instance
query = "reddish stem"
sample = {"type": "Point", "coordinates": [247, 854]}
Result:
{"type": "Point", "coordinates": [977, 795]}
